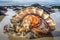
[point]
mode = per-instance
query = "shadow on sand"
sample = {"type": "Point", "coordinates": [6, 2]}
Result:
{"type": "Point", "coordinates": [49, 36]}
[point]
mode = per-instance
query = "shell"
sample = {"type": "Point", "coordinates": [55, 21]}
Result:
{"type": "Point", "coordinates": [31, 20]}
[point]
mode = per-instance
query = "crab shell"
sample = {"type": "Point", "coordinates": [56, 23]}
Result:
{"type": "Point", "coordinates": [32, 17]}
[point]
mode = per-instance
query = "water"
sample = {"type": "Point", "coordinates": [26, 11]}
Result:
{"type": "Point", "coordinates": [55, 35]}
{"type": "Point", "coordinates": [5, 21]}
{"type": "Point", "coordinates": [56, 17]}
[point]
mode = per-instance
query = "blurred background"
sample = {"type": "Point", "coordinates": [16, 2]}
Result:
{"type": "Point", "coordinates": [8, 8]}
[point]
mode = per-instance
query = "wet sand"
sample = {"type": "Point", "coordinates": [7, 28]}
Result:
{"type": "Point", "coordinates": [55, 35]}
{"type": "Point", "coordinates": [1, 17]}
